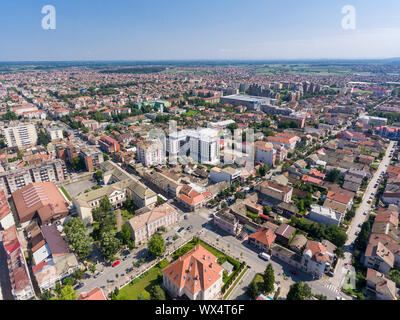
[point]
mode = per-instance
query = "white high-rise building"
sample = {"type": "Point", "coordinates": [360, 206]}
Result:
{"type": "Point", "coordinates": [20, 136]}
{"type": "Point", "coordinates": [201, 145]}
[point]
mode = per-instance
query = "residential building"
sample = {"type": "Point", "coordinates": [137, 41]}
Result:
{"type": "Point", "coordinates": [108, 144]}
{"type": "Point", "coordinates": [263, 238]}
{"type": "Point", "coordinates": [227, 221]}
{"type": "Point", "coordinates": [316, 259]}
{"type": "Point", "coordinates": [144, 225]}
{"type": "Point", "coordinates": [196, 275]}
{"type": "Point", "coordinates": [380, 286]}
{"type": "Point", "coordinates": [92, 159]}
{"type": "Point", "coordinates": [227, 174]}
{"type": "Point", "coordinates": [6, 216]}
{"type": "Point", "coordinates": [325, 215]}
{"type": "Point", "coordinates": [54, 133]}
{"type": "Point", "coordinates": [284, 233]}
{"type": "Point", "coordinates": [379, 257]}
{"type": "Point", "coordinates": [194, 197]}
{"type": "Point", "coordinates": [265, 153]}
{"type": "Point", "coordinates": [275, 190]}
{"type": "Point", "coordinates": [95, 294]}
{"type": "Point", "coordinates": [21, 136]}
{"type": "Point", "coordinates": [150, 153]}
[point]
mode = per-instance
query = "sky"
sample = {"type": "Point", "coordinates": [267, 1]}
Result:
{"type": "Point", "coordinates": [198, 30]}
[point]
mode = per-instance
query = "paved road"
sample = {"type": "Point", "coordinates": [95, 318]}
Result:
{"type": "Point", "coordinates": [358, 219]}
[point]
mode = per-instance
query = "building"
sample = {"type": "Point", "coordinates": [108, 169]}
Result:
{"type": "Point", "coordinates": [108, 144]}
{"type": "Point", "coordinates": [92, 159]}
{"type": "Point", "coordinates": [227, 174]}
{"type": "Point", "coordinates": [144, 225]}
{"type": "Point", "coordinates": [299, 118]}
{"type": "Point", "coordinates": [51, 171]}
{"type": "Point", "coordinates": [6, 216]}
{"type": "Point", "coordinates": [284, 233]}
{"type": "Point", "coordinates": [194, 197]}
{"type": "Point", "coordinates": [150, 153]}
{"type": "Point", "coordinates": [275, 190]}
{"type": "Point", "coordinates": [289, 141]}
{"type": "Point", "coordinates": [95, 294]}
{"type": "Point", "coordinates": [227, 221]}
{"type": "Point", "coordinates": [373, 121]}
{"type": "Point", "coordinates": [380, 286]}
{"type": "Point", "coordinates": [379, 257]}
{"type": "Point", "coordinates": [325, 215]}
{"type": "Point", "coordinates": [265, 153]}
{"type": "Point", "coordinates": [196, 275]}
{"type": "Point", "coordinates": [263, 239]}
{"type": "Point", "coordinates": [55, 134]}
{"type": "Point", "coordinates": [251, 102]}
{"type": "Point", "coordinates": [40, 200]}
{"type": "Point", "coordinates": [21, 136]}
{"type": "Point", "coordinates": [316, 259]}
{"type": "Point", "coordinates": [21, 284]}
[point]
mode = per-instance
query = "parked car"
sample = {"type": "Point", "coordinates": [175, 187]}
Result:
{"type": "Point", "coordinates": [360, 225]}
{"type": "Point", "coordinates": [169, 238]}
{"type": "Point", "coordinates": [189, 228]}
{"type": "Point", "coordinates": [181, 229]}
{"type": "Point", "coordinates": [79, 286]}
{"type": "Point", "coordinates": [185, 217]}
{"type": "Point", "coordinates": [357, 233]}
{"type": "Point", "coordinates": [116, 263]}
{"type": "Point", "coordinates": [264, 256]}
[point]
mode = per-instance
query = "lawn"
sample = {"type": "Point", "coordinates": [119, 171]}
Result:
{"type": "Point", "coordinates": [190, 113]}
{"type": "Point", "coordinates": [126, 215]}
{"type": "Point", "coordinates": [141, 285]}
{"type": "Point", "coordinates": [65, 193]}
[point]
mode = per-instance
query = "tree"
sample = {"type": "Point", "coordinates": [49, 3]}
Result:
{"type": "Point", "coordinates": [109, 244]}
{"type": "Point", "coordinates": [9, 115]}
{"type": "Point", "coordinates": [98, 175]}
{"type": "Point", "coordinates": [269, 279]}
{"type": "Point", "coordinates": [75, 230]}
{"type": "Point", "coordinates": [394, 275]}
{"type": "Point", "coordinates": [46, 295]}
{"type": "Point", "coordinates": [43, 139]}
{"type": "Point", "coordinates": [156, 245]}
{"type": "Point", "coordinates": [66, 293]}
{"type": "Point", "coordinates": [77, 163]}
{"type": "Point", "coordinates": [253, 290]}
{"type": "Point", "coordinates": [157, 293]}
{"type": "Point", "coordinates": [334, 176]}
{"type": "Point", "coordinates": [299, 291]}
{"type": "Point", "coordinates": [126, 235]}
{"type": "Point", "coordinates": [92, 268]}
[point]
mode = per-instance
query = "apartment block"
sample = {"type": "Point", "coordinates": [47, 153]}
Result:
{"type": "Point", "coordinates": [21, 136]}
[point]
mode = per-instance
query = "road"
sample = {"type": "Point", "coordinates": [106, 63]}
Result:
{"type": "Point", "coordinates": [359, 218]}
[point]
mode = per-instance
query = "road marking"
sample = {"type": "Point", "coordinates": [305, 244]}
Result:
{"type": "Point", "coordinates": [331, 287]}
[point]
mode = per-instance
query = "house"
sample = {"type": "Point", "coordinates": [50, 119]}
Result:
{"type": "Point", "coordinates": [284, 233]}
{"type": "Point", "coordinates": [325, 215]}
{"type": "Point", "coordinates": [263, 238]}
{"type": "Point", "coordinates": [227, 174]}
{"type": "Point", "coordinates": [43, 200]}
{"type": "Point", "coordinates": [227, 221]}
{"type": "Point", "coordinates": [144, 225]}
{"type": "Point", "coordinates": [379, 257]}
{"type": "Point", "coordinates": [108, 144]}
{"type": "Point", "coordinates": [21, 284]}
{"type": "Point", "coordinates": [275, 190]}
{"type": "Point", "coordinates": [298, 243]}
{"type": "Point", "coordinates": [196, 275]}
{"type": "Point", "coordinates": [341, 196]}
{"type": "Point", "coordinates": [379, 285]}
{"type": "Point", "coordinates": [6, 216]}
{"type": "Point", "coordinates": [316, 259]}
{"type": "Point", "coordinates": [311, 180]}
{"type": "Point", "coordinates": [95, 294]}
{"type": "Point", "coordinates": [193, 199]}
{"type": "Point", "coordinates": [265, 153]}
{"type": "Point", "coordinates": [389, 243]}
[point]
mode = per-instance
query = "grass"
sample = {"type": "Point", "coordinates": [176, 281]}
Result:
{"type": "Point", "coordinates": [251, 214]}
{"type": "Point", "coordinates": [126, 215]}
{"type": "Point", "coordinates": [190, 113]}
{"type": "Point", "coordinates": [235, 283]}
{"type": "Point", "coordinates": [65, 193]}
{"type": "Point", "coordinates": [141, 285]}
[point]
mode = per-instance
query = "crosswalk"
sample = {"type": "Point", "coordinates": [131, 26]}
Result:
{"type": "Point", "coordinates": [331, 287]}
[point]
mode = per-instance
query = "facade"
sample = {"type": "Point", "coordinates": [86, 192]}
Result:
{"type": "Point", "coordinates": [108, 144]}
{"type": "Point", "coordinates": [265, 153]}
{"type": "Point", "coordinates": [196, 275]}
{"type": "Point", "coordinates": [379, 257]}
{"type": "Point", "coordinates": [379, 285]}
{"type": "Point", "coordinates": [21, 136]}
{"type": "Point", "coordinates": [263, 239]}
{"type": "Point", "coordinates": [325, 215]}
{"type": "Point", "coordinates": [21, 284]}
{"type": "Point", "coordinates": [6, 216]}
{"type": "Point", "coordinates": [316, 259]}
{"type": "Point", "coordinates": [144, 225]}
{"type": "Point", "coordinates": [193, 199]}
{"type": "Point", "coordinates": [275, 190]}
{"type": "Point", "coordinates": [51, 171]}
{"type": "Point", "coordinates": [92, 159]}
{"type": "Point", "coordinates": [150, 153]}
{"type": "Point", "coordinates": [227, 174]}
{"type": "Point", "coordinates": [227, 221]}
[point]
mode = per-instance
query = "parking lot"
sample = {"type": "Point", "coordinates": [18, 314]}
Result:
{"type": "Point", "coordinates": [74, 188]}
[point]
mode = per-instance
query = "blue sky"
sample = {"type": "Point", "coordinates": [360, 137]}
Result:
{"type": "Point", "coordinates": [188, 29]}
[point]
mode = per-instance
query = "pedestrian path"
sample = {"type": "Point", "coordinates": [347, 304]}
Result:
{"type": "Point", "coordinates": [331, 287]}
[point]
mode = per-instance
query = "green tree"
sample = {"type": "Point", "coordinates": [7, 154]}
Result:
{"type": "Point", "coordinates": [98, 175]}
{"type": "Point", "coordinates": [46, 295]}
{"type": "Point", "coordinates": [92, 268]}
{"type": "Point", "coordinates": [9, 115]}
{"type": "Point", "coordinates": [394, 275]}
{"type": "Point", "coordinates": [299, 291]}
{"type": "Point", "coordinates": [43, 139]}
{"type": "Point", "coordinates": [75, 230]}
{"type": "Point", "coordinates": [67, 293]}
{"type": "Point", "coordinates": [157, 293]}
{"type": "Point", "coordinates": [156, 245]}
{"type": "Point", "coordinates": [77, 163]}
{"type": "Point", "coordinates": [109, 244]}
{"type": "Point", "coordinates": [334, 176]}
{"type": "Point", "coordinates": [269, 279]}
{"type": "Point", "coordinates": [253, 290]}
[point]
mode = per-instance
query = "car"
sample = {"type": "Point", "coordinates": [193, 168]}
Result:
{"type": "Point", "coordinates": [168, 243]}
{"type": "Point", "coordinates": [79, 286]}
{"type": "Point", "coordinates": [181, 229]}
{"type": "Point", "coordinates": [369, 201]}
{"type": "Point", "coordinates": [365, 213]}
{"type": "Point", "coordinates": [375, 185]}
{"type": "Point", "coordinates": [360, 225]}
{"type": "Point", "coordinates": [357, 233]}
{"type": "Point", "coordinates": [169, 238]}
{"type": "Point", "coordinates": [116, 263]}
{"type": "Point", "coordinates": [189, 228]}
{"type": "Point", "coordinates": [124, 258]}
{"type": "Point", "coordinates": [98, 274]}
{"type": "Point", "coordinates": [340, 298]}
{"type": "Point", "coordinates": [264, 256]}
{"type": "Point", "coordinates": [185, 217]}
